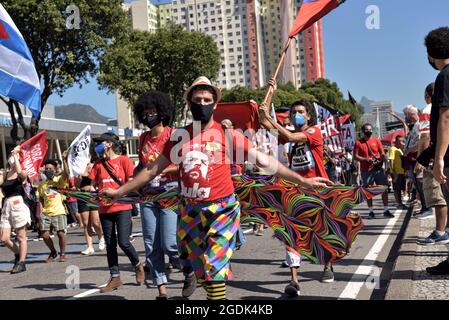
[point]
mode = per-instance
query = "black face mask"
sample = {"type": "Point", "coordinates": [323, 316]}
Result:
{"type": "Point", "coordinates": [150, 121]}
{"type": "Point", "coordinates": [368, 134]}
{"type": "Point", "coordinates": [49, 174]}
{"type": "Point", "coordinates": [433, 65]}
{"type": "Point", "coordinates": [201, 112]}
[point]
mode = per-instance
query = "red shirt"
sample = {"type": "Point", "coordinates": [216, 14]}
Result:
{"type": "Point", "coordinates": [307, 158]}
{"type": "Point", "coordinates": [151, 147]}
{"type": "Point", "coordinates": [205, 170]}
{"type": "Point", "coordinates": [71, 186]}
{"type": "Point", "coordinates": [122, 167]}
{"type": "Point", "coordinates": [375, 150]}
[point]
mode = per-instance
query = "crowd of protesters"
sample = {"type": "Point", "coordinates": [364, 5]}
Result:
{"type": "Point", "coordinates": [415, 162]}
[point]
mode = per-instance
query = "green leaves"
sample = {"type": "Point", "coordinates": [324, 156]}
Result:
{"type": "Point", "coordinates": [64, 57]}
{"type": "Point", "coordinates": [168, 60]}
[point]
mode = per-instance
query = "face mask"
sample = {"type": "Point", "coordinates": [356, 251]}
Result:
{"type": "Point", "coordinates": [151, 121]}
{"type": "Point", "coordinates": [433, 65]}
{"type": "Point", "coordinates": [298, 120]}
{"type": "Point", "coordinates": [200, 112]}
{"type": "Point", "coordinates": [368, 134]}
{"type": "Point", "coordinates": [49, 174]}
{"type": "Point", "coordinates": [12, 160]}
{"type": "Point", "coordinates": [100, 149]}
{"type": "Point", "coordinates": [410, 126]}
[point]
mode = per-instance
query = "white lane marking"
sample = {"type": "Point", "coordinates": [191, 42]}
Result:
{"type": "Point", "coordinates": [352, 289]}
{"type": "Point", "coordinates": [247, 231]}
{"type": "Point", "coordinates": [88, 292]}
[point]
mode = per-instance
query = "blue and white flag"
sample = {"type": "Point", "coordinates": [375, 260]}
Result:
{"type": "Point", "coordinates": [18, 77]}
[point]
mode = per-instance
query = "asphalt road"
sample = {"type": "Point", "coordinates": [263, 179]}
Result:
{"type": "Point", "coordinates": [258, 275]}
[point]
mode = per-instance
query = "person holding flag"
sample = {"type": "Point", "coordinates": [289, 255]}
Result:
{"type": "Point", "coordinates": [306, 155]}
{"type": "Point", "coordinates": [15, 214]}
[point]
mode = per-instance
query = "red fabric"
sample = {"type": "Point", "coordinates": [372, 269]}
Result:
{"type": "Point", "coordinates": [282, 116]}
{"type": "Point", "coordinates": [307, 158]}
{"type": "Point", "coordinates": [3, 33]}
{"type": "Point", "coordinates": [71, 186]}
{"type": "Point", "coordinates": [122, 167]}
{"type": "Point", "coordinates": [310, 12]}
{"type": "Point", "coordinates": [391, 137]}
{"type": "Point", "coordinates": [151, 147]}
{"type": "Point", "coordinates": [243, 115]}
{"type": "Point", "coordinates": [361, 149]}
{"type": "Point", "coordinates": [205, 169]}
{"type": "Point", "coordinates": [32, 154]}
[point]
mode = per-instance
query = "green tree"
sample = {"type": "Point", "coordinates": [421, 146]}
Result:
{"type": "Point", "coordinates": [168, 60]}
{"type": "Point", "coordinates": [65, 56]}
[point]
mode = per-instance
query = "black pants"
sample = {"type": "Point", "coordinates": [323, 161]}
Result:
{"type": "Point", "coordinates": [120, 221]}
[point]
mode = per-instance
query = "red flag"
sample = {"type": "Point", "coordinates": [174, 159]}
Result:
{"type": "Point", "coordinates": [32, 154]}
{"type": "Point", "coordinates": [3, 33]}
{"type": "Point", "coordinates": [310, 12]}
{"type": "Point", "coordinates": [243, 115]}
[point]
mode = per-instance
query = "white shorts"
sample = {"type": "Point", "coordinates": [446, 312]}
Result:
{"type": "Point", "coordinates": [292, 258]}
{"type": "Point", "coordinates": [15, 213]}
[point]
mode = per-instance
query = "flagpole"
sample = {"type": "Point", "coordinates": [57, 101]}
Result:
{"type": "Point", "coordinates": [270, 91]}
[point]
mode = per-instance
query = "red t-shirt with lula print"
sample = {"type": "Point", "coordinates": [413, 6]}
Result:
{"type": "Point", "coordinates": [122, 168]}
{"type": "Point", "coordinates": [205, 168]}
{"type": "Point", "coordinates": [307, 158]}
{"type": "Point", "coordinates": [151, 147]}
{"type": "Point", "coordinates": [361, 149]}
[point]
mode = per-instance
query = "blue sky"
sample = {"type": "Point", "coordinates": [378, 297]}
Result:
{"type": "Point", "coordinates": [385, 64]}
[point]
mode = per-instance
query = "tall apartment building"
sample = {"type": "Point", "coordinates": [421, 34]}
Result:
{"type": "Point", "coordinates": [305, 57]}
{"type": "Point", "coordinates": [249, 35]}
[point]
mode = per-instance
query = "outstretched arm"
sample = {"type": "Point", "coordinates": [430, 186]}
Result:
{"type": "Point", "coordinates": [141, 179]}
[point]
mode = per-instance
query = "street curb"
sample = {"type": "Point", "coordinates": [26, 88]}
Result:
{"type": "Point", "coordinates": [401, 282]}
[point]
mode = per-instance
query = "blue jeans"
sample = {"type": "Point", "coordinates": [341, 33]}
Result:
{"type": "Point", "coordinates": [159, 237]}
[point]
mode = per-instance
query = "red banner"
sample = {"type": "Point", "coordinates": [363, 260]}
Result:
{"type": "Point", "coordinates": [243, 115]}
{"type": "Point", "coordinates": [32, 154]}
{"type": "Point", "coordinates": [310, 12]}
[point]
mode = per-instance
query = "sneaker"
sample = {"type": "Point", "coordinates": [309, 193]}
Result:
{"type": "Point", "coordinates": [113, 284]}
{"type": "Point", "coordinates": [328, 275]}
{"type": "Point", "coordinates": [434, 238]}
{"type": "Point", "coordinates": [292, 289]}
{"type": "Point", "coordinates": [88, 251]}
{"type": "Point", "coordinates": [18, 268]}
{"type": "Point", "coordinates": [162, 297]}
{"type": "Point", "coordinates": [388, 214]}
{"type": "Point", "coordinates": [52, 257]}
{"type": "Point", "coordinates": [131, 238]}
{"type": "Point", "coordinates": [284, 264]}
{"type": "Point", "coordinates": [101, 244]}
{"type": "Point", "coordinates": [62, 258]}
{"type": "Point", "coordinates": [140, 274]}
{"type": "Point", "coordinates": [189, 286]}
{"type": "Point", "coordinates": [371, 215]}
{"type": "Point", "coordinates": [402, 206]}
{"type": "Point", "coordinates": [441, 269]}
{"type": "Point", "coordinates": [259, 232]}
{"type": "Point", "coordinates": [422, 215]}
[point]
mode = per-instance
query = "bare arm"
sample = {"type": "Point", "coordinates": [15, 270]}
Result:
{"type": "Point", "coordinates": [271, 165]}
{"type": "Point", "coordinates": [22, 174]}
{"type": "Point", "coordinates": [402, 121]}
{"type": "Point", "coordinates": [142, 178]}
{"type": "Point", "coordinates": [441, 145]}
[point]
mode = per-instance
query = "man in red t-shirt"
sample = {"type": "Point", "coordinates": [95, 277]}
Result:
{"type": "Point", "coordinates": [370, 153]}
{"type": "Point", "coordinates": [210, 211]}
{"type": "Point", "coordinates": [306, 158]}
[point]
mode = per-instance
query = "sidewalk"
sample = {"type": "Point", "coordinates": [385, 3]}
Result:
{"type": "Point", "coordinates": [410, 280]}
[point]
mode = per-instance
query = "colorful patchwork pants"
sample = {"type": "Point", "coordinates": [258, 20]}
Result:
{"type": "Point", "coordinates": [206, 237]}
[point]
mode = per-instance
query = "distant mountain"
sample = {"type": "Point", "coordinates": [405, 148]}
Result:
{"type": "Point", "coordinates": [366, 103]}
{"type": "Point", "coordinates": [79, 112]}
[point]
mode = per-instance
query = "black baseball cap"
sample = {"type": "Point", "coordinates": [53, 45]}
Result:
{"type": "Point", "coordinates": [107, 136]}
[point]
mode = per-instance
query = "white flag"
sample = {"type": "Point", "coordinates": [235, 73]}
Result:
{"type": "Point", "coordinates": [79, 156]}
